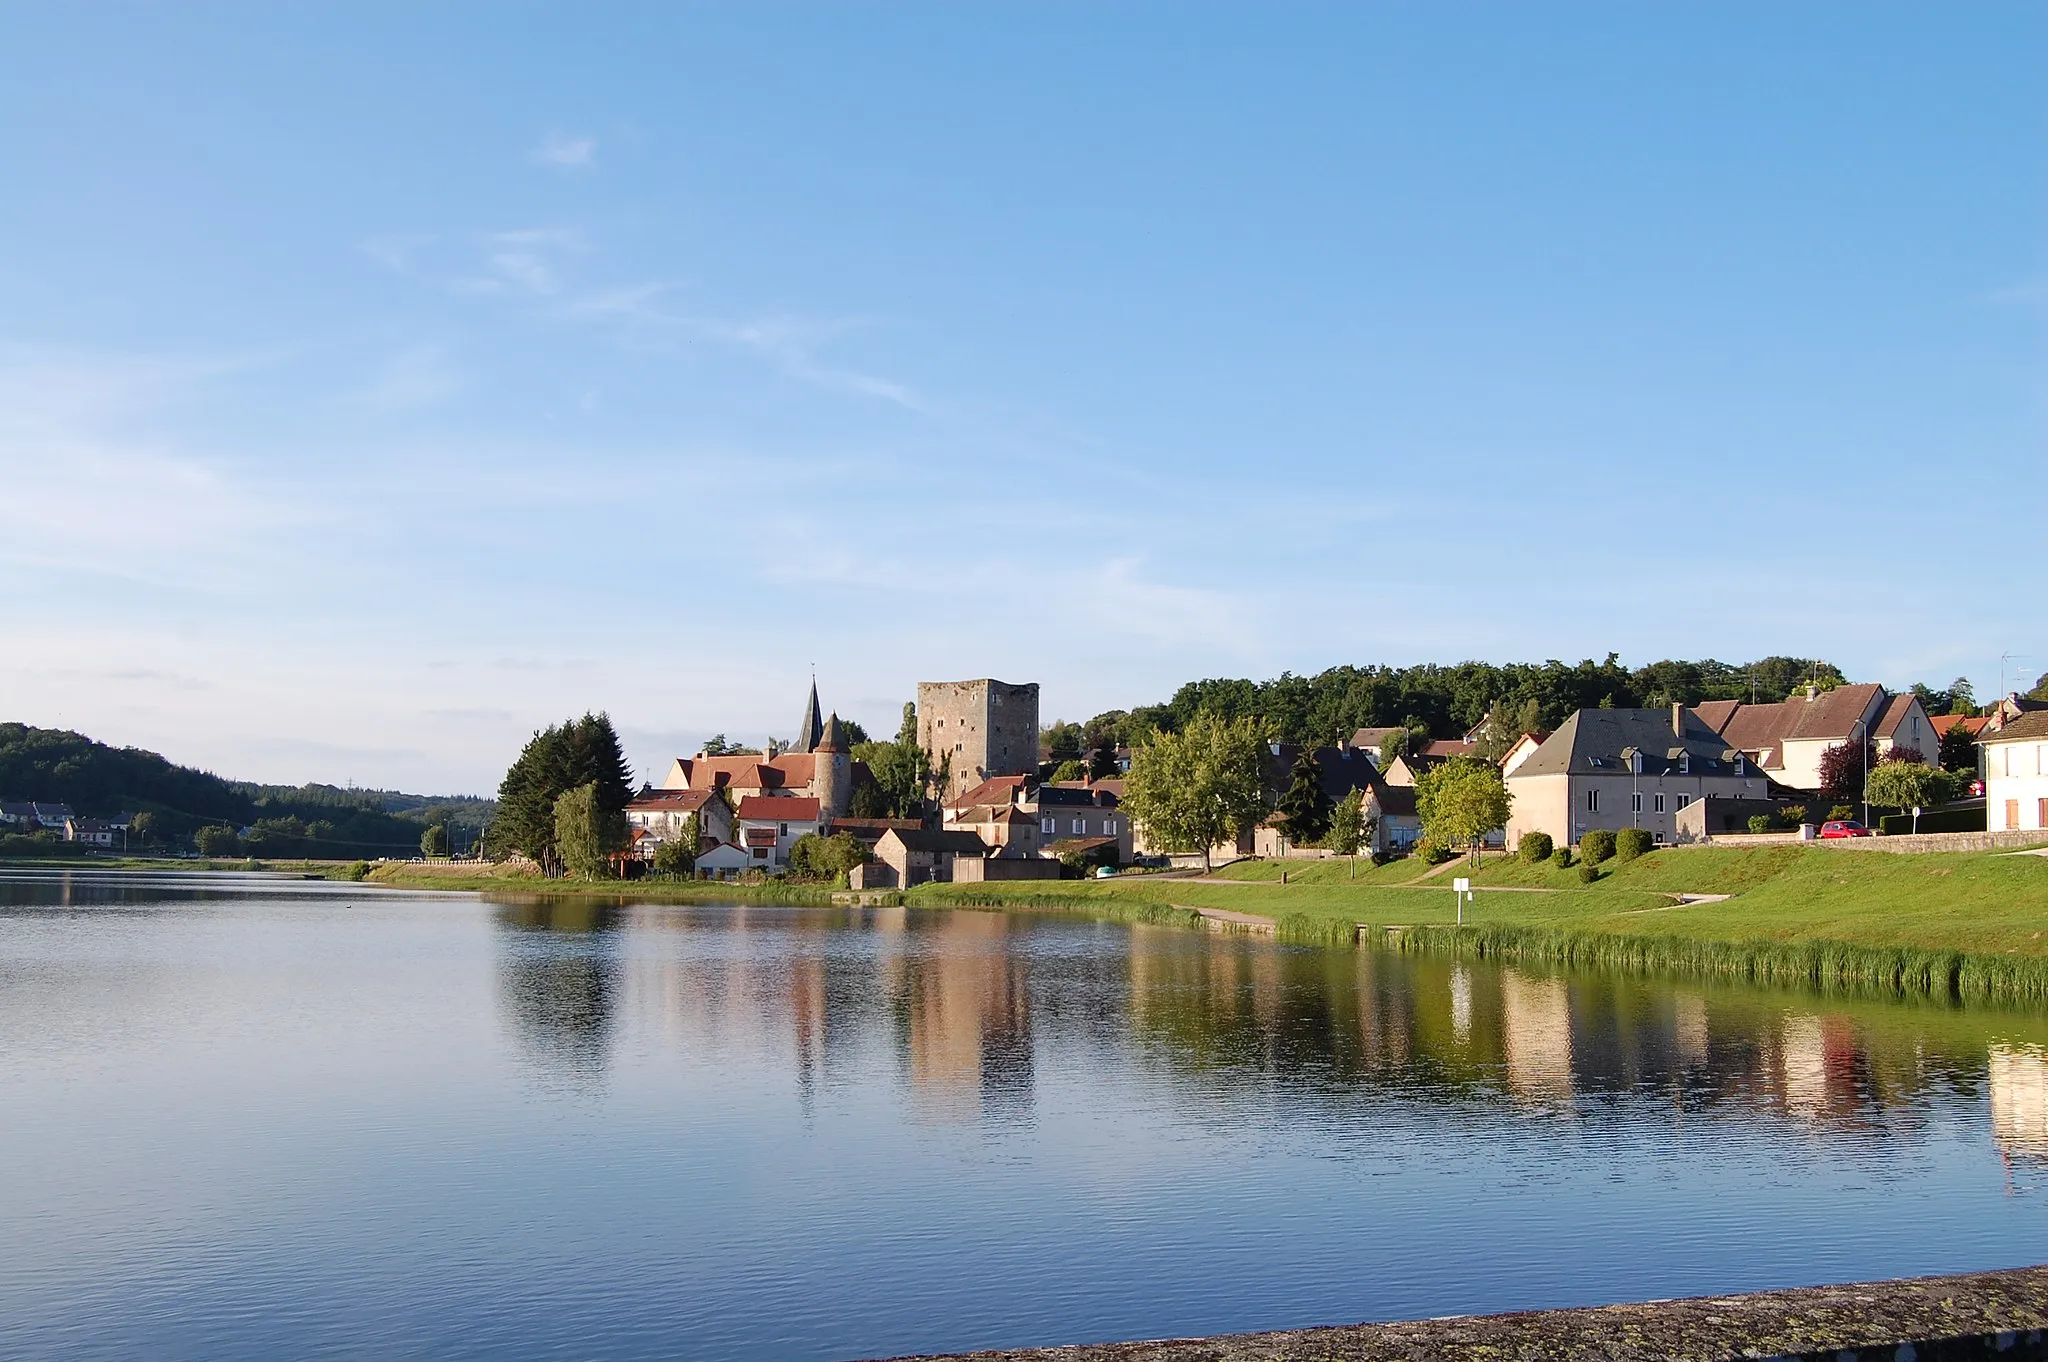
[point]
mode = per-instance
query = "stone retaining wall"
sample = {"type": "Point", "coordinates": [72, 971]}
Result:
{"type": "Point", "coordinates": [1925, 1319]}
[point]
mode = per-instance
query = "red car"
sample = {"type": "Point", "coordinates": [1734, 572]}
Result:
{"type": "Point", "coordinates": [1844, 827]}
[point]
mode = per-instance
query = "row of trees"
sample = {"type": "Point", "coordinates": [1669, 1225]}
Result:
{"type": "Point", "coordinates": [1199, 786]}
{"type": "Point", "coordinates": [1432, 700]}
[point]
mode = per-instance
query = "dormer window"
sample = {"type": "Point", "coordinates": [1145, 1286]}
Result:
{"type": "Point", "coordinates": [1685, 763]}
{"type": "Point", "coordinates": [1635, 762]}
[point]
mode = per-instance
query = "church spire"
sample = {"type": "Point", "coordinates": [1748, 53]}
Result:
{"type": "Point", "coordinates": [811, 729]}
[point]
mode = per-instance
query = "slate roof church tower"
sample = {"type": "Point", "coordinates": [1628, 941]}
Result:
{"type": "Point", "coordinates": [810, 730]}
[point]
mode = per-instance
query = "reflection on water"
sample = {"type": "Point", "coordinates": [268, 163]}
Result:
{"type": "Point", "coordinates": [964, 999]}
{"type": "Point", "coordinates": [288, 1119]}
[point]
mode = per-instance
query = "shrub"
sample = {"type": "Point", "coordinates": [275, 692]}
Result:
{"type": "Point", "coordinates": [1630, 843]}
{"type": "Point", "coordinates": [1761, 822]}
{"type": "Point", "coordinates": [1596, 846]}
{"type": "Point", "coordinates": [1841, 811]}
{"type": "Point", "coordinates": [1562, 857]}
{"type": "Point", "coordinates": [1793, 815]}
{"type": "Point", "coordinates": [1535, 847]}
{"type": "Point", "coordinates": [214, 840]}
{"type": "Point", "coordinates": [355, 870]}
{"type": "Point", "coordinates": [676, 856]}
{"type": "Point", "coordinates": [1589, 872]}
{"type": "Point", "coordinates": [1436, 853]}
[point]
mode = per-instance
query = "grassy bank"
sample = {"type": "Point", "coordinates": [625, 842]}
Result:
{"type": "Point", "coordinates": [495, 880]}
{"type": "Point", "coordinates": [1969, 924]}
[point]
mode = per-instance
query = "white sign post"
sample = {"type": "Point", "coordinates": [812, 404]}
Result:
{"type": "Point", "coordinates": [1461, 887]}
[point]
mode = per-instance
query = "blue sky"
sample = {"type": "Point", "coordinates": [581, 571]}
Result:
{"type": "Point", "coordinates": [378, 383]}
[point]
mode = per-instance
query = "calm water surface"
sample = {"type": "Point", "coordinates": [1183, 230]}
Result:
{"type": "Point", "coordinates": [255, 1119]}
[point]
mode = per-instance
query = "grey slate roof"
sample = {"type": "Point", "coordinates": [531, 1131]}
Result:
{"type": "Point", "coordinates": [1593, 741]}
{"type": "Point", "coordinates": [2032, 725]}
{"type": "Point", "coordinates": [928, 839]}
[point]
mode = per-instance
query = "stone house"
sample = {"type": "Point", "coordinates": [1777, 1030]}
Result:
{"type": "Point", "coordinates": [1624, 768]}
{"type": "Point", "coordinates": [919, 856]}
{"type": "Point", "coordinates": [2016, 774]}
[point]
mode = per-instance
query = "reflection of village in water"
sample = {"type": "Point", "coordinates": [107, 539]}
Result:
{"type": "Point", "coordinates": [967, 1008]}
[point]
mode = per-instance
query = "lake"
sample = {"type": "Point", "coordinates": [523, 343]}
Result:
{"type": "Point", "coordinates": [254, 1118]}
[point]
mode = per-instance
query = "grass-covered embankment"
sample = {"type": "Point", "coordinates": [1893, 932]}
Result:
{"type": "Point", "coordinates": [1966, 924]}
{"type": "Point", "coordinates": [491, 879]}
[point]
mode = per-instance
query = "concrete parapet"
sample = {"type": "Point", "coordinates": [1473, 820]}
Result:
{"type": "Point", "coordinates": [1928, 1319]}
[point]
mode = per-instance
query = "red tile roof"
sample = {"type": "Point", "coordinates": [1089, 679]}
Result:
{"type": "Point", "coordinates": [1971, 724]}
{"type": "Point", "coordinates": [779, 809]}
{"type": "Point", "coordinates": [994, 790]}
{"type": "Point", "coordinates": [790, 771]}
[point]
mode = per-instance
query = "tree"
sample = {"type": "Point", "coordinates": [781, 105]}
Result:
{"type": "Point", "coordinates": [1505, 724]}
{"type": "Point", "coordinates": [2040, 690]}
{"type": "Point", "coordinates": [678, 855]}
{"type": "Point", "coordinates": [1305, 804]}
{"type": "Point", "coordinates": [900, 774]}
{"type": "Point", "coordinates": [1908, 785]}
{"type": "Point", "coordinates": [1060, 742]}
{"type": "Point", "coordinates": [812, 857]}
{"type": "Point", "coordinates": [142, 829]}
{"type": "Point", "coordinates": [586, 832]}
{"type": "Point", "coordinates": [1069, 770]}
{"type": "Point", "coordinates": [852, 731]}
{"type": "Point", "coordinates": [1347, 824]}
{"type": "Point", "coordinates": [554, 761]}
{"type": "Point", "coordinates": [1958, 751]}
{"type": "Point", "coordinates": [215, 840]}
{"type": "Point", "coordinates": [1460, 801]}
{"type": "Point", "coordinates": [434, 841]}
{"type": "Point", "coordinates": [1842, 768]}
{"type": "Point", "coordinates": [1192, 789]}
{"type": "Point", "coordinates": [906, 732]}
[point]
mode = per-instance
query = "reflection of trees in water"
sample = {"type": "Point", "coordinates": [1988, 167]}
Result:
{"type": "Point", "coordinates": [1441, 1029]}
{"type": "Point", "coordinates": [558, 980]}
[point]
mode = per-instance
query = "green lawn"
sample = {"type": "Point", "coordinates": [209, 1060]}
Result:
{"type": "Point", "coordinates": [1976, 902]}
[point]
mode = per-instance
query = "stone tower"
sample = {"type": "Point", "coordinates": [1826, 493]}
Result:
{"type": "Point", "coordinates": [832, 777]}
{"type": "Point", "coordinates": [987, 728]}
{"type": "Point", "coordinates": [809, 730]}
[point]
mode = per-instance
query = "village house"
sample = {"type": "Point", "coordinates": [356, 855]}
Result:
{"type": "Point", "coordinates": [658, 817]}
{"type": "Point", "coordinates": [17, 817]}
{"type": "Point", "coordinates": [910, 856]}
{"type": "Point", "coordinates": [767, 826]}
{"type": "Point", "coordinates": [2016, 774]}
{"type": "Point", "coordinates": [721, 861]}
{"type": "Point", "coordinates": [1022, 816]}
{"type": "Point", "coordinates": [1787, 740]}
{"type": "Point", "coordinates": [1625, 768]}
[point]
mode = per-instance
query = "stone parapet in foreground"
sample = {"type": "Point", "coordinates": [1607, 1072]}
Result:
{"type": "Point", "coordinates": [1924, 1319]}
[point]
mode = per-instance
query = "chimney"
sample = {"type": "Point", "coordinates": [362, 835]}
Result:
{"type": "Point", "coordinates": [1677, 720]}
{"type": "Point", "coordinates": [1812, 692]}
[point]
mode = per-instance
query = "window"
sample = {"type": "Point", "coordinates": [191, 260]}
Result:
{"type": "Point", "coordinates": [1658, 806]}
{"type": "Point", "coordinates": [1592, 801]}
{"type": "Point", "coordinates": [1685, 763]}
{"type": "Point", "coordinates": [1637, 802]}
{"type": "Point", "coordinates": [1049, 827]}
{"type": "Point", "coordinates": [1080, 826]}
{"type": "Point", "coordinates": [1684, 800]}
{"type": "Point", "coordinates": [782, 829]}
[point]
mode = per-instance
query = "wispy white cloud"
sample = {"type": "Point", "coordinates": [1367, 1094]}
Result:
{"type": "Point", "coordinates": [418, 376]}
{"type": "Point", "coordinates": [564, 151]}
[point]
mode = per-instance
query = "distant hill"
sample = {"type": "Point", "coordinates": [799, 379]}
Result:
{"type": "Point", "coordinates": [56, 766]}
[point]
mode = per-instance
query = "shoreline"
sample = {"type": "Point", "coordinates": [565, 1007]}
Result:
{"type": "Point", "coordinates": [1934, 1319]}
